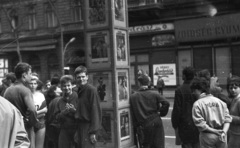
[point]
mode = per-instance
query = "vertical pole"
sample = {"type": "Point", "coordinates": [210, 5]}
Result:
{"type": "Point", "coordinates": [107, 55]}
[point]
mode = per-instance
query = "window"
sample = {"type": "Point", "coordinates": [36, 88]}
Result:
{"type": "Point", "coordinates": [50, 16]}
{"type": "Point", "coordinates": [31, 18]}
{"type": "Point", "coordinates": [14, 19]}
{"type": "Point", "coordinates": [139, 64]}
{"type": "Point", "coordinates": [77, 10]}
{"type": "Point", "coordinates": [3, 67]}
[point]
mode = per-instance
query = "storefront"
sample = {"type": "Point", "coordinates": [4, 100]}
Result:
{"type": "Point", "coordinates": [209, 43]}
{"type": "Point", "coordinates": [205, 43]}
{"type": "Point", "coordinates": [152, 46]}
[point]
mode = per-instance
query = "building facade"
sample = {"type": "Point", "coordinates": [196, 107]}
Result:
{"type": "Point", "coordinates": [167, 35]}
{"type": "Point", "coordinates": [41, 30]}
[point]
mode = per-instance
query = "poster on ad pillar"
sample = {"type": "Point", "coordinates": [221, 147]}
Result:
{"type": "Point", "coordinates": [98, 49]}
{"type": "Point", "coordinates": [97, 13]}
{"type": "Point", "coordinates": [119, 13]}
{"type": "Point", "coordinates": [167, 72]}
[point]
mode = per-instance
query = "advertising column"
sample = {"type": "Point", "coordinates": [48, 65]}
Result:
{"type": "Point", "coordinates": [107, 55]}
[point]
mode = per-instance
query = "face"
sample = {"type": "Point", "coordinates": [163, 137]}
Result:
{"type": "Point", "coordinates": [48, 85]}
{"type": "Point", "coordinates": [33, 85]}
{"type": "Point", "coordinates": [67, 88]}
{"type": "Point", "coordinates": [234, 90]}
{"type": "Point", "coordinates": [82, 78]}
{"type": "Point", "coordinates": [28, 76]}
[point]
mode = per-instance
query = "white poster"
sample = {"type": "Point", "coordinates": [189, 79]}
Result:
{"type": "Point", "coordinates": [167, 72]}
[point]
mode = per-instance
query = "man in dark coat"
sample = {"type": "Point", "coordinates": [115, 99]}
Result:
{"type": "Point", "coordinates": [182, 120]}
{"type": "Point", "coordinates": [21, 97]}
{"type": "Point", "coordinates": [88, 111]}
{"type": "Point", "coordinates": [147, 106]}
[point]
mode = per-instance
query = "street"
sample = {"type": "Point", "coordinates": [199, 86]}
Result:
{"type": "Point", "coordinates": [169, 131]}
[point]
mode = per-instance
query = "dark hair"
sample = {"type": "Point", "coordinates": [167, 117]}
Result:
{"type": "Point", "coordinates": [66, 78]}
{"type": "Point", "coordinates": [189, 73]}
{"type": "Point", "coordinates": [204, 74]}
{"type": "Point", "coordinates": [21, 68]}
{"type": "Point", "coordinates": [55, 80]}
{"type": "Point", "coordinates": [11, 76]}
{"type": "Point", "coordinates": [50, 94]}
{"type": "Point", "coordinates": [40, 85]}
{"type": "Point", "coordinates": [143, 79]}
{"type": "Point", "coordinates": [234, 81]}
{"type": "Point", "coordinates": [201, 84]}
{"type": "Point", "coordinates": [81, 69]}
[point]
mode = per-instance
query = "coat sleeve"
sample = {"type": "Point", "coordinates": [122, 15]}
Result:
{"type": "Point", "coordinates": [95, 112]}
{"type": "Point", "coordinates": [164, 106]}
{"type": "Point", "coordinates": [198, 119]}
{"type": "Point", "coordinates": [21, 139]}
{"type": "Point", "coordinates": [176, 112]}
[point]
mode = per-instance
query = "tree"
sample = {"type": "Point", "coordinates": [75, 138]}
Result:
{"type": "Point", "coordinates": [10, 10]}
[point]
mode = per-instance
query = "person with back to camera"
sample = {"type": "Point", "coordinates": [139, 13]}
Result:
{"type": "Point", "coordinates": [20, 96]}
{"type": "Point", "coordinates": [9, 80]}
{"type": "Point", "coordinates": [210, 115]}
{"type": "Point", "coordinates": [181, 119]}
{"type": "Point", "coordinates": [160, 85]}
{"type": "Point", "coordinates": [215, 89]}
{"type": "Point", "coordinates": [13, 135]}
{"type": "Point", "coordinates": [145, 105]}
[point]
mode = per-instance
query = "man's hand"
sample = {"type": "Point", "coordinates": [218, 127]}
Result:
{"type": "Point", "coordinates": [93, 138]}
{"type": "Point", "coordinates": [71, 108]}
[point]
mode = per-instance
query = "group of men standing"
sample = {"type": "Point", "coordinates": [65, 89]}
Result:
{"type": "Point", "coordinates": [82, 105]}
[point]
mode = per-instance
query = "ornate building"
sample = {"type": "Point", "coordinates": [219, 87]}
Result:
{"type": "Point", "coordinates": [43, 31]}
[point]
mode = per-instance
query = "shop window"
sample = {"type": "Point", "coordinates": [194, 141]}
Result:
{"type": "Point", "coordinates": [142, 58]}
{"type": "Point", "coordinates": [139, 64]}
{"type": "Point", "coordinates": [132, 58]}
{"type": "Point", "coordinates": [3, 67]}
{"type": "Point", "coordinates": [202, 59]}
{"type": "Point", "coordinates": [222, 64]}
{"type": "Point", "coordinates": [235, 60]}
{"type": "Point", "coordinates": [184, 60]}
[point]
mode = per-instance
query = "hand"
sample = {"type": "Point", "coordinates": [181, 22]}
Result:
{"type": "Point", "coordinates": [93, 138]}
{"type": "Point", "coordinates": [222, 137]}
{"type": "Point", "coordinates": [71, 108]}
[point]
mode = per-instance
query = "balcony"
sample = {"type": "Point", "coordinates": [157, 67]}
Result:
{"type": "Point", "coordinates": [142, 3]}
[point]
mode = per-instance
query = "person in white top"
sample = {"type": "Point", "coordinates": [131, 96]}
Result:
{"type": "Point", "coordinates": [210, 115]}
{"type": "Point", "coordinates": [40, 104]}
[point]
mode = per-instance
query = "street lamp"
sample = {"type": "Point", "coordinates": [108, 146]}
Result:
{"type": "Point", "coordinates": [70, 41]}
{"type": "Point", "coordinates": [64, 51]}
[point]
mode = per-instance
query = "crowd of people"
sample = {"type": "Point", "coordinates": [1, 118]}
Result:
{"type": "Point", "coordinates": [57, 114]}
{"type": "Point", "coordinates": [65, 112]}
{"type": "Point", "coordinates": [203, 116]}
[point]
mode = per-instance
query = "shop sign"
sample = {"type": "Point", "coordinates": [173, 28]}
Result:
{"type": "Point", "coordinates": [167, 72]}
{"type": "Point", "coordinates": [219, 27]}
{"type": "Point", "coordinates": [151, 28]}
{"type": "Point", "coordinates": [163, 40]}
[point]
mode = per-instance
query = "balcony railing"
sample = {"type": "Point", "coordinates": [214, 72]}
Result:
{"type": "Point", "coordinates": [136, 3]}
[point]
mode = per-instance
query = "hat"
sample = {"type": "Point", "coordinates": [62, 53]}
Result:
{"type": "Point", "coordinates": [143, 79]}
